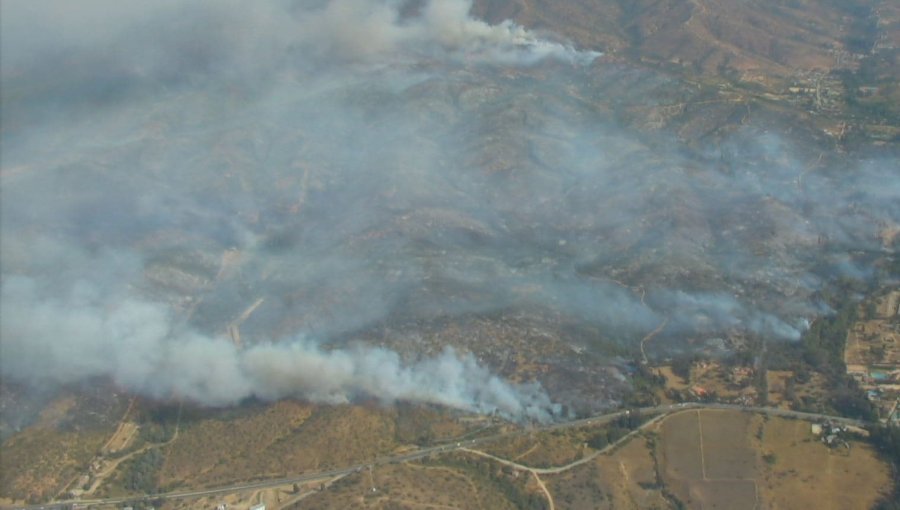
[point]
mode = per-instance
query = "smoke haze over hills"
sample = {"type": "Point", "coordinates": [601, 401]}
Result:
{"type": "Point", "coordinates": [366, 161]}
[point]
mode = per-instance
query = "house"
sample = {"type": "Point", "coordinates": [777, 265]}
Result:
{"type": "Point", "coordinates": [741, 375]}
{"type": "Point", "coordinates": [258, 506]}
{"type": "Point", "coordinates": [858, 372]}
{"type": "Point", "coordinates": [698, 392]}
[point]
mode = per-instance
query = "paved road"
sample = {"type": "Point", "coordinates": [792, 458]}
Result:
{"type": "Point", "coordinates": [425, 452]}
{"type": "Point", "coordinates": [584, 460]}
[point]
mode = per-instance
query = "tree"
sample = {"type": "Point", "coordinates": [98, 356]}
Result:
{"type": "Point", "coordinates": [849, 400]}
{"type": "Point", "coordinates": [790, 389]}
{"type": "Point", "coordinates": [886, 440]}
{"type": "Point", "coordinates": [598, 441]}
{"type": "Point", "coordinates": [682, 367]}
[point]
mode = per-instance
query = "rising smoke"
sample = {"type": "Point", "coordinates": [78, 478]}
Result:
{"type": "Point", "coordinates": [73, 316]}
{"type": "Point", "coordinates": [366, 160]}
{"type": "Point", "coordinates": [82, 335]}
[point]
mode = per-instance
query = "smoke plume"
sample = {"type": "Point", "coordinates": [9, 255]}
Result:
{"type": "Point", "coordinates": [307, 170]}
{"type": "Point", "coordinates": [64, 339]}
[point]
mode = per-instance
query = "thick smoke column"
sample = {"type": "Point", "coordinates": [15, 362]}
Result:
{"type": "Point", "coordinates": [135, 344]}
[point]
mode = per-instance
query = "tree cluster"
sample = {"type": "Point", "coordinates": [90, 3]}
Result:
{"type": "Point", "coordinates": [886, 440]}
{"type": "Point", "coordinates": [142, 473]}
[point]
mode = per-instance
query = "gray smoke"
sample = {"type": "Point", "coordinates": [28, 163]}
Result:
{"type": "Point", "coordinates": [70, 315]}
{"type": "Point", "coordinates": [63, 339]}
{"type": "Point", "coordinates": [363, 30]}
{"type": "Point", "coordinates": [165, 165]}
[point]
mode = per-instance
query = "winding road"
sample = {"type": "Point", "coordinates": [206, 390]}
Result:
{"type": "Point", "coordinates": [466, 445]}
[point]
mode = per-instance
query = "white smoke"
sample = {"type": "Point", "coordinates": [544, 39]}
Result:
{"type": "Point", "coordinates": [365, 172]}
{"type": "Point", "coordinates": [77, 331]}
{"type": "Point", "coordinates": [367, 30]}
{"type": "Point", "coordinates": [707, 311]}
{"type": "Point", "coordinates": [134, 343]}
{"type": "Point", "coordinates": [250, 35]}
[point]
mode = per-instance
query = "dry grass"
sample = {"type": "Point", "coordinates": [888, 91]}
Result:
{"type": "Point", "coordinates": [545, 449]}
{"type": "Point", "coordinates": [39, 462]}
{"type": "Point", "coordinates": [287, 438]}
{"type": "Point", "coordinates": [707, 458]}
{"type": "Point", "coordinates": [806, 474]}
{"type": "Point", "coordinates": [713, 377]}
{"type": "Point", "coordinates": [777, 382]}
{"type": "Point", "coordinates": [727, 453]}
{"type": "Point", "coordinates": [672, 381]}
{"type": "Point", "coordinates": [122, 438]}
{"type": "Point", "coordinates": [623, 480]}
{"type": "Point", "coordinates": [512, 447]}
{"type": "Point", "coordinates": [412, 485]}
{"type": "Point", "coordinates": [422, 425]}
{"type": "Point", "coordinates": [730, 472]}
{"type": "Point", "coordinates": [42, 460]}
{"type": "Point", "coordinates": [875, 340]}
{"type": "Point", "coordinates": [709, 375]}
{"type": "Point", "coordinates": [635, 470]}
{"type": "Point", "coordinates": [584, 487]}
{"type": "Point", "coordinates": [725, 494]}
{"type": "Point", "coordinates": [681, 447]}
{"type": "Point", "coordinates": [274, 498]}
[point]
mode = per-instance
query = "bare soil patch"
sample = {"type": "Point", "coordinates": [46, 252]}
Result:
{"type": "Point", "coordinates": [707, 460]}
{"type": "Point", "coordinates": [123, 437]}
{"type": "Point", "coordinates": [725, 494]}
{"type": "Point", "coordinates": [727, 453]}
{"type": "Point", "coordinates": [681, 447]}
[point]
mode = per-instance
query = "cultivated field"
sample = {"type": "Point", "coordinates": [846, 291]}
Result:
{"type": "Point", "coordinates": [727, 453]}
{"type": "Point", "coordinates": [725, 494]}
{"type": "Point", "coordinates": [707, 459]}
{"type": "Point", "coordinates": [733, 460]}
{"type": "Point", "coordinates": [681, 447]}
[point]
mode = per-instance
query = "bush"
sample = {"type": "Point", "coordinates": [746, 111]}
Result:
{"type": "Point", "coordinates": [682, 367]}
{"type": "Point", "coordinates": [598, 441]}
